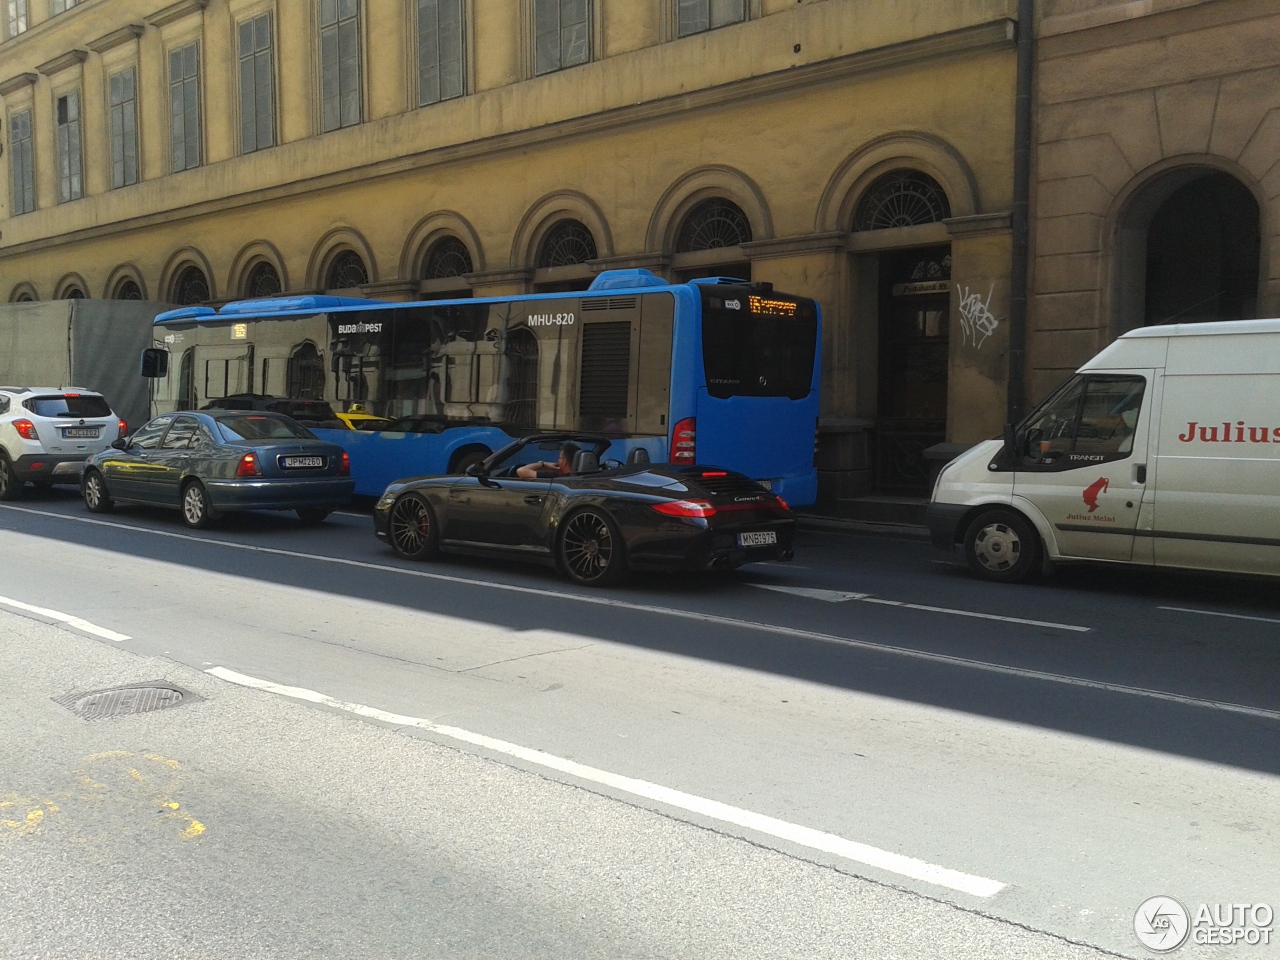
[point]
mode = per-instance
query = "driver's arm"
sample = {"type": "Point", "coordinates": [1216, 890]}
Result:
{"type": "Point", "coordinates": [530, 470]}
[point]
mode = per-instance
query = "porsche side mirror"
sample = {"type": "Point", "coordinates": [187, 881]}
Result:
{"type": "Point", "coordinates": [476, 470]}
{"type": "Point", "coordinates": [120, 444]}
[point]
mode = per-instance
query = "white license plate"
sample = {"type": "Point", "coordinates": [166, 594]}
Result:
{"type": "Point", "coordinates": [758, 538]}
{"type": "Point", "coordinates": [80, 433]}
{"type": "Point", "coordinates": [298, 463]}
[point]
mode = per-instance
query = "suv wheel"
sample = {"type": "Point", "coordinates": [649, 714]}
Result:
{"type": "Point", "coordinates": [10, 484]}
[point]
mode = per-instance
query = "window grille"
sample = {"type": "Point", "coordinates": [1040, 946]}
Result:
{"type": "Point", "coordinates": [713, 224]}
{"type": "Point", "coordinates": [191, 287]}
{"type": "Point", "coordinates": [565, 244]}
{"type": "Point", "coordinates": [448, 257]}
{"type": "Point", "coordinates": [347, 270]}
{"type": "Point", "coordinates": [901, 198]}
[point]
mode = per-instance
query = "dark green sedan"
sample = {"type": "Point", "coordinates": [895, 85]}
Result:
{"type": "Point", "coordinates": [209, 463]}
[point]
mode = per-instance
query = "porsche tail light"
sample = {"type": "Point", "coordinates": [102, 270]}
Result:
{"type": "Point", "coordinates": [685, 508]}
{"type": "Point", "coordinates": [782, 503]}
{"type": "Point", "coordinates": [248, 466]}
{"type": "Point", "coordinates": [26, 429]}
{"type": "Point", "coordinates": [124, 430]}
{"type": "Point", "coordinates": [684, 442]}
{"type": "Point", "coordinates": [344, 465]}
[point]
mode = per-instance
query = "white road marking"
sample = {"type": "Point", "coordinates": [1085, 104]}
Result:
{"type": "Point", "coordinates": [68, 619]}
{"type": "Point", "coordinates": [713, 809]}
{"type": "Point", "coordinates": [1215, 613]}
{"type": "Point", "coordinates": [869, 645]}
{"type": "Point", "coordinates": [813, 593]}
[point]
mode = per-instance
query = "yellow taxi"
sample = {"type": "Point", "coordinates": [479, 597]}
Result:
{"type": "Point", "coordinates": [358, 418]}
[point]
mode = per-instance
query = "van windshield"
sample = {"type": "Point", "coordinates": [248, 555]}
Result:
{"type": "Point", "coordinates": [1090, 416]}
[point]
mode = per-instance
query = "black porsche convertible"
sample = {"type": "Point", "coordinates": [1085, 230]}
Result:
{"type": "Point", "coordinates": [595, 520]}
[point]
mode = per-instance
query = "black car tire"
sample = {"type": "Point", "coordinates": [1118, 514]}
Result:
{"type": "Point", "coordinates": [411, 528]}
{"type": "Point", "coordinates": [10, 483]}
{"type": "Point", "coordinates": [197, 512]}
{"type": "Point", "coordinates": [1003, 546]}
{"type": "Point", "coordinates": [590, 550]}
{"type": "Point", "coordinates": [94, 490]}
{"type": "Point", "coordinates": [313, 516]}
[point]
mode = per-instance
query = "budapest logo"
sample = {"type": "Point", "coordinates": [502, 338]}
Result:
{"type": "Point", "coordinates": [1095, 490]}
{"type": "Point", "coordinates": [1162, 924]}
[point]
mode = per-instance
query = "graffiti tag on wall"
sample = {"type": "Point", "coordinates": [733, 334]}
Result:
{"type": "Point", "coordinates": [977, 322]}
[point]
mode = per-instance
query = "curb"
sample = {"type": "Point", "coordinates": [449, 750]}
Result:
{"type": "Point", "coordinates": [863, 528]}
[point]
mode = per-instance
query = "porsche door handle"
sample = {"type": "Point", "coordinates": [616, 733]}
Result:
{"type": "Point", "coordinates": [532, 500]}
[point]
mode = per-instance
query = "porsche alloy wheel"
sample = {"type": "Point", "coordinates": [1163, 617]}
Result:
{"type": "Point", "coordinates": [591, 549]}
{"type": "Point", "coordinates": [95, 493]}
{"type": "Point", "coordinates": [412, 528]}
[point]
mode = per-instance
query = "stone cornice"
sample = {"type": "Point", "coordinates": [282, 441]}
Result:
{"type": "Point", "coordinates": [402, 289]}
{"type": "Point", "coordinates": [795, 246]}
{"type": "Point", "coordinates": [519, 275]}
{"type": "Point", "coordinates": [979, 224]}
{"type": "Point", "coordinates": [176, 11]}
{"type": "Point", "coordinates": [996, 34]}
{"type": "Point", "coordinates": [439, 285]}
{"type": "Point", "coordinates": [117, 38]}
{"type": "Point", "coordinates": [72, 58]}
{"type": "Point", "coordinates": [14, 84]}
{"type": "Point", "coordinates": [644, 261]}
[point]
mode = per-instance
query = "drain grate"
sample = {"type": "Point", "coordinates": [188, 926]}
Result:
{"type": "Point", "coordinates": [123, 701]}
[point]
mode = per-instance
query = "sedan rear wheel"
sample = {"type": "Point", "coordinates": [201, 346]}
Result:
{"type": "Point", "coordinates": [412, 528]}
{"type": "Point", "coordinates": [196, 510]}
{"type": "Point", "coordinates": [10, 485]}
{"type": "Point", "coordinates": [94, 490]}
{"type": "Point", "coordinates": [591, 550]}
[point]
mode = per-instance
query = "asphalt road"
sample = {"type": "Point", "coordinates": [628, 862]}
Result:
{"type": "Point", "coordinates": [862, 753]}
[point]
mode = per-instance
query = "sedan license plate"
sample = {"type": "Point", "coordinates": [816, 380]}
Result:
{"type": "Point", "coordinates": [758, 538]}
{"type": "Point", "coordinates": [301, 463]}
{"type": "Point", "coordinates": [79, 433]}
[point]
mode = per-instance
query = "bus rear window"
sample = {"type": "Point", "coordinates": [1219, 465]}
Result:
{"type": "Point", "coordinates": [69, 405]}
{"type": "Point", "coordinates": [758, 347]}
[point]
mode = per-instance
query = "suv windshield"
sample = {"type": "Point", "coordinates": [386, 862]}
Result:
{"type": "Point", "coordinates": [69, 405]}
{"type": "Point", "coordinates": [258, 427]}
{"type": "Point", "coordinates": [757, 346]}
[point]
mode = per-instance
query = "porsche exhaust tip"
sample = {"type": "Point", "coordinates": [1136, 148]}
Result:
{"type": "Point", "coordinates": [786, 555]}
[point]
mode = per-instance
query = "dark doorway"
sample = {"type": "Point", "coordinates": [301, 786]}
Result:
{"type": "Point", "coordinates": [1202, 253]}
{"type": "Point", "coordinates": [915, 310]}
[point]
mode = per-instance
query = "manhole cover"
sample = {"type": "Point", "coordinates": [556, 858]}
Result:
{"type": "Point", "coordinates": [122, 701]}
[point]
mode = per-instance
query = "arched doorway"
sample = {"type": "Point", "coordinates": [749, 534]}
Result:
{"type": "Point", "coordinates": [1187, 251]}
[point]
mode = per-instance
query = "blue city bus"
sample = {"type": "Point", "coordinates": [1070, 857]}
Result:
{"type": "Point", "coordinates": [718, 371]}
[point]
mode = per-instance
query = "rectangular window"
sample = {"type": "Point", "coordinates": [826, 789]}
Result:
{"type": "Point", "coordinates": [70, 177]}
{"type": "Point", "coordinates": [15, 17]}
{"type": "Point", "coordinates": [562, 34]}
{"type": "Point", "coordinates": [339, 63]}
{"type": "Point", "coordinates": [440, 55]}
{"type": "Point", "coordinates": [124, 128]}
{"type": "Point", "coordinates": [62, 6]}
{"type": "Point", "coordinates": [695, 16]}
{"type": "Point", "coordinates": [184, 106]}
{"type": "Point", "coordinates": [758, 347]}
{"type": "Point", "coordinates": [20, 163]}
{"type": "Point", "coordinates": [257, 85]}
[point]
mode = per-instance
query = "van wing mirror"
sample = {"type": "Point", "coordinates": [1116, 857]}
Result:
{"type": "Point", "coordinates": [155, 363]}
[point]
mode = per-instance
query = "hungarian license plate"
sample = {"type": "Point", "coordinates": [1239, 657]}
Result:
{"type": "Point", "coordinates": [80, 433]}
{"type": "Point", "coordinates": [301, 463]}
{"type": "Point", "coordinates": [757, 538]}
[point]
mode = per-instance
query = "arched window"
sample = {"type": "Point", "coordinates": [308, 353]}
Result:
{"type": "Point", "coordinates": [901, 198]}
{"type": "Point", "coordinates": [347, 270]}
{"type": "Point", "coordinates": [25, 298]}
{"type": "Point", "coordinates": [128, 290]}
{"type": "Point", "coordinates": [191, 287]}
{"type": "Point", "coordinates": [448, 257]}
{"type": "Point", "coordinates": [305, 376]}
{"type": "Point", "coordinates": [567, 243]}
{"type": "Point", "coordinates": [263, 281]}
{"type": "Point", "coordinates": [712, 224]}
{"type": "Point", "coordinates": [73, 293]}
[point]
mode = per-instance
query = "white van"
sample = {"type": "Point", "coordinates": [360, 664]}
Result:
{"type": "Point", "coordinates": [1164, 449]}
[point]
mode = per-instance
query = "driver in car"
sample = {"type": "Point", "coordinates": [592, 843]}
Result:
{"type": "Point", "coordinates": [544, 469]}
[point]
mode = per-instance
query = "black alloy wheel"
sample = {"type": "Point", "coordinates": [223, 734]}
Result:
{"type": "Point", "coordinates": [196, 511]}
{"type": "Point", "coordinates": [411, 528]}
{"type": "Point", "coordinates": [1003, 546]}
{"type": "Point", "coordinates": [10, 485]}
{"type": "Point", "coordinates": [313, 516]}
{"type": "Point", "coordinates": [591, 550]}
{"type": "Point", "coordinates": [94, 490]}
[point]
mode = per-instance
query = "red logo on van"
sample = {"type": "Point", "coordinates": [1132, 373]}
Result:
{"type": "Point", "coordinates": [1095, 490]}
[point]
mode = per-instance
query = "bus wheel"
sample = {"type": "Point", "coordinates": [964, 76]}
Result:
{"type": "Point", "coordinates": [1002, 545]}
{"type": "Point", "coordinates": [591, 550]}
{"type": "Point", "coordinates": [467, 459]}
{"type": "Point", "coordinates": [412, 528]}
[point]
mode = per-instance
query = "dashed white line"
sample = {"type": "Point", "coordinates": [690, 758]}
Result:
{"type": "Point", "coordinates": [1215, 613]}
{"type": "Point", "coordinates": [771, 628]}
{"type": "Point", "coordinates": [66, 618]}
{"type": "Point", "coordinates": [808, 837]}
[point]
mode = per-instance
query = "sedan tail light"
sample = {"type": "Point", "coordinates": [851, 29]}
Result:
{"type": "Point", "coordinates": [684, 441]}
{"type": "Point", "coordinates": [344, 465]}
{"type": "Point", "coordinates": [685, 508]}
{"type": "Point", "coordinates": [26, 429]}
{"type": "Point", "coordinates": [248, 466]}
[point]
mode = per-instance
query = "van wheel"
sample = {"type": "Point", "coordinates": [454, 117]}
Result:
{"type": "Point", "coordinates": [1003, 546]}
{"type": "Point", "coordinates": [10, 484]}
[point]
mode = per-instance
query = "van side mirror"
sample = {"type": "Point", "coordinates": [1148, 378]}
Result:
{"type": "Point", "coordinates": [155, 363]}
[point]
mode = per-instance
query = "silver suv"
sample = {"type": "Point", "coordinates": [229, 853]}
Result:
{"type": "Point", "coordinates": [47, 434]}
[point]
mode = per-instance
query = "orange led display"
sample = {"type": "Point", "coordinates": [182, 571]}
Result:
{"type": "Point", "coordinates": [778, 308]}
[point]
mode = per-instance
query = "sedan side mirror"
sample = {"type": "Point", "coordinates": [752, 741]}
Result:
{"type": "Point", "coordinates": [120, 444]}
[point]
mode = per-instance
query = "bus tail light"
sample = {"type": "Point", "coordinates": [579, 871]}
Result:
{"type": "Point", "coordinates": [344, 465]}
{"type": "Point", "coordinates": [684, 447]}
{"type": "Point", "coordinates": [685, 508]}
{"type": "Point", "coordinates": [26, 429]}
{"type": "Point", "coordinates": [248, 466]}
